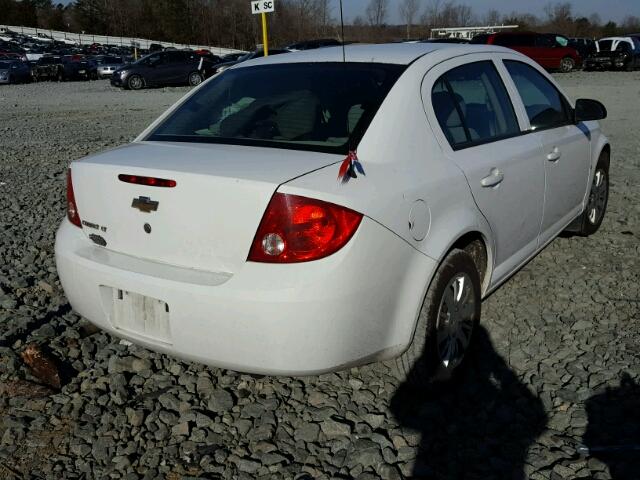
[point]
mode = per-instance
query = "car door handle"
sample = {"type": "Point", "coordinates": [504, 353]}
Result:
{"type": "Point", "coordinates": [554, 155]}
{"type": "Point", "coordinates": [493, 179]}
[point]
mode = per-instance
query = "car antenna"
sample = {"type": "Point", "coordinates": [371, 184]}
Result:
{"type": "Point", "coordinates": [344, 57]}
{"type": "Point", "coordinates": [344, 61]}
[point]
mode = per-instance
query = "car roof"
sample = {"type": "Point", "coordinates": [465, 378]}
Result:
{"type": "Point", "coordinates": [394, 53]}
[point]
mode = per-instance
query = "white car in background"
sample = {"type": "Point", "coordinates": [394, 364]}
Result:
{"type": "Point", "coordinates": [300, 214]}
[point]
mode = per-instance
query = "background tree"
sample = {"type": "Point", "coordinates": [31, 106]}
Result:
{"type": "Point", "coordinates": [377, 12]}
{"type": "Point", "coordinates": [408, 11]}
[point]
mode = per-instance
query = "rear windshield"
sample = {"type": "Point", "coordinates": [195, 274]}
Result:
{"type": "Point", "coordinates": [324, 107]}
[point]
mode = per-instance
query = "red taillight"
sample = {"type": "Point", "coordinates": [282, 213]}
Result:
{"type": "Point", "coordinates": [72, 208]}
{"type": "Point", "coordinates": [149, 181]}
{"type": "Point", "coordinates": [300, 229]}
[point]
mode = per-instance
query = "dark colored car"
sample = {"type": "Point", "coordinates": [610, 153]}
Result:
{"type": "Point", "coordinates": [232, 57]}
{"type": "Point", "coordinates": [14, 71]}
{"type": "Point", "coordinates": [247, 56]}
{"type": "Point", "coordinates": [584, 46]}
{"type": "Point", "coordinates": [312, 44]}
{"type": "Point", "coordinates": [170, 67]}
{"type": "Point", "coordinates": [551, 51]}
{"type": "Point", "coordinates": [68, 67]}
{"type": "Point", "coordinates": [615, 53]}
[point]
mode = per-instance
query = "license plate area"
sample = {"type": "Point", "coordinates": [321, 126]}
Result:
{"type": "Point", "coordinates": [140, 315]}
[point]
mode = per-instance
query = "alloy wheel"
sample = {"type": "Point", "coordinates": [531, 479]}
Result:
{"type": "Point", "coordinates": [135, 82]}
{"type": "Point", "coordinates": [195, 79]}
{"type": "Point", "coordinates": [455, 321]}
{"type": "Point", "coordinates": [566, 65]}
{"type": "Point", "coordinates": [598, 197]}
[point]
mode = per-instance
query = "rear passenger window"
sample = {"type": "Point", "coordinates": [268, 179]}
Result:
{"type": "Point", "coordinates": [543, 102]}
{"type": "Point", "coordinates": [472, 105]}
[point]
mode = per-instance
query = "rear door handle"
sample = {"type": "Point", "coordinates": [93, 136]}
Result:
{"type": "Point", "coordinates": [554, 155]}
{"type": "Point", "coordinates": [493, 179]}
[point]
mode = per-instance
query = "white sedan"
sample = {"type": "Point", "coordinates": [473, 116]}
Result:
{"type": "Point", "coordinates": [299, 213]}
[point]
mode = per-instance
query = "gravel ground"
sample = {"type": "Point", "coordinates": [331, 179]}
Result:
{"type": "Point", "coordinates": [556, 364]}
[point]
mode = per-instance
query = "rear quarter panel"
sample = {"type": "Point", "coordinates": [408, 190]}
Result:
{"type": "Point", "coordinates": [403, 164]}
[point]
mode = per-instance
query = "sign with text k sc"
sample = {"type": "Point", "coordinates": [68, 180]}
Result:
{"type": "Point", "coordinates": [263, 6]}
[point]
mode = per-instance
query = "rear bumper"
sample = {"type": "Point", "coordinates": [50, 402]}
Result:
{"type": "Point", "coordinates": [353, 307]}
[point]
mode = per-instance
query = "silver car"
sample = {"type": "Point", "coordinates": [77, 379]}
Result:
{"type": "Point", "coordinates": [108, 65]}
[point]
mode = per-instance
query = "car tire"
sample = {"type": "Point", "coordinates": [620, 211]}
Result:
{"type": "Point", "coordinates": [135, 82]}
{"type": "Point", "coordinates": [10, 80]}
{"type": "Point", "coordinates": [567, 64]}
{"type": "Point", "coordinates": [589, 222]}
{"type": "Point", "coordinates": [441, 337]}
{"type": "Point", "coordinates": [195, 79]}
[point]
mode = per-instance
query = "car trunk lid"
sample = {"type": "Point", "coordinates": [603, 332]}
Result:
{"type": "Point", "coordinates": [207, 221]}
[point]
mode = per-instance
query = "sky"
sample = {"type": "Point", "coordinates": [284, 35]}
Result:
{"type": "Point", "coordinates": [614, 10]}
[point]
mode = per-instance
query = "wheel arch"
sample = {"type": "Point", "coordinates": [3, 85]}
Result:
{"type": "Point", "coordinates": [478, 246]}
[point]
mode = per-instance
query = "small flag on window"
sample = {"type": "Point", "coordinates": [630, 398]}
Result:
{"type": "Point", "coordinates": [349, 167]}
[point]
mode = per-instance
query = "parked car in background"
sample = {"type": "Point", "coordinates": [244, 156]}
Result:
{"type": "Point", "coordinates": [221, 67]}
{"type": "Point", "coordinates": [240, 229]}
{"type": "Point", "coordinates": [549, 50]}
{"type": "Point", "coordinates": [107, 65]}
{"type": "Point", "coordinates": [615, 53]}
{"type": "Point", "coordinates": [312, 44]}
{"type": "Point", "coordinates": [68, 67]}
{"type": "Point", "coordinates": [232, 57]}
{"type": "Point", "coordinates": [14, 71]}
{"type": "Point", "coordinates": [446, 40]}
{"type": "Point", "coordinates": [584, 46]}
{"type": "Point", "coordinates": [169, 67]}
{"type": "Point", "coordinates": [208, 55]}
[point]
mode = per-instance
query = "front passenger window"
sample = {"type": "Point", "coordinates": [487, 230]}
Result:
{"type": "Point", "coordinates": [544, 104]}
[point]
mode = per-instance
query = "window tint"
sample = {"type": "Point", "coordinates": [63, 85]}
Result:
{"type": "Point", "coordinates": [514, 40]}
{"type": "Point", "coordinates": [472, 105]}
{"type": "Point", "coordinates": [605, 45]}
{"type": "Point", "coordinates": [545, 41]}
{"type": "Point", "coordinates": [306, 106]}
{"type": "Point", "coordinates": [623, 46]}
{"type": "Point", "coordinates": [545, 106]}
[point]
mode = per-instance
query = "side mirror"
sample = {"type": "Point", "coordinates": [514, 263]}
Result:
{"type": "Point", "coordinates": [587, 110]}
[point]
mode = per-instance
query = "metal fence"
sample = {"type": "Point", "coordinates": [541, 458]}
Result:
{"type": "Point", "coordinates": [88, 39]}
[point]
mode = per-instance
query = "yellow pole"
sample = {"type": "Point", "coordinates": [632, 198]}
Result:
{"type": "Point", "coordinates": [265, 39]}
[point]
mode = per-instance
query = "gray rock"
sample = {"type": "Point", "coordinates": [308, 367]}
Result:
{"type": "Point", "coordinates": [307, 432]}
{"type": "Point", "coordinates": [332, 428]}
{"type": "Point", "coordinates": [220, 401]}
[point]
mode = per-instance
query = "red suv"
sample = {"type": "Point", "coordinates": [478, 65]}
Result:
{"type": "Point", "coordinates": [549, 50]}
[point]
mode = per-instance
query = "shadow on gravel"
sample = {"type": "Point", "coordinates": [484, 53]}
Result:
{"type": "Point", "coordinates": [478, 426]}
{"type": "Point", "coordinates": [613, 431]}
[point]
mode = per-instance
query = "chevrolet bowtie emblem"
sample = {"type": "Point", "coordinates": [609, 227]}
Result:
{"type": "Point", "coordinates": [145, 204]}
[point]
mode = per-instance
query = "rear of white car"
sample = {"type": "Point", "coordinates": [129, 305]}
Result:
{"type": "Point", "coordinates": [197, 249]}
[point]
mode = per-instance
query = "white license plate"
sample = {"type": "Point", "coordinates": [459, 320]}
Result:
{"type": "Point", "coordinates": [141, 315]}
{"type": "Point", "coordinates": [81, 71]}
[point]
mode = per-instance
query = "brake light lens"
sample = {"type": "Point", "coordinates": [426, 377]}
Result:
{"type": "Point", "coordinates": [148, 181]}
{"type": "Point", "coordinates": [300, 229]}
{"type": "Point", "coordinates": [72, 208]}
